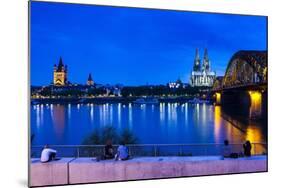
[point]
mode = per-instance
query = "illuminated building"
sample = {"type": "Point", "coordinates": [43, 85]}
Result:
{"type": "Point", "coordinates": [175, 85]}
{"type": "Point", "coordinates": [60, 74]}
{"type": "Point", "coordinates": [90, 80]}
{"type": "Point", "coordinates": [202, 76]}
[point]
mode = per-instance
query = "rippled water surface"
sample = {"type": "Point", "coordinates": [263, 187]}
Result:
{"type": "Point", "coordinates": [152, 124]}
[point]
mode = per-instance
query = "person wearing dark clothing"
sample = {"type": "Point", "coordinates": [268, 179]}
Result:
{"type": "Point", "coordinates": [247, 148]}
{"type": "Point", "coordinates": [226, 149]}
{"type": "Point", "coordinates": [109, 150]}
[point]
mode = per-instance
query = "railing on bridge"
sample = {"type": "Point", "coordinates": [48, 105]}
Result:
{"type": "Point", "coordinates": [151, 150]}
{"type": "Point", "coordinates": [214, 89]}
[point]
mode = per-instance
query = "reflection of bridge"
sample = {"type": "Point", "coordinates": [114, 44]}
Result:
{"type": "Point", "coordinates": [244, 85]}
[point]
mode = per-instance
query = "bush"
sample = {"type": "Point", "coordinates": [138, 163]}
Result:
{"type": "Point", "coordinates": [109, 133]}
{"type": "Point", "coordinates": [127, 137]}
{"type": "Point", "coordinates": [100, 137]}
{"type": "Point", "coordinates": [92, 139]}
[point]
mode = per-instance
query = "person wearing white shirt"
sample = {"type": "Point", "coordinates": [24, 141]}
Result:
{"type": "Point", "coordinates": [48, 154]}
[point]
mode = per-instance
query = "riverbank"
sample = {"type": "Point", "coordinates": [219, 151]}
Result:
{"type": "Point", "coordinates": [103, 100]}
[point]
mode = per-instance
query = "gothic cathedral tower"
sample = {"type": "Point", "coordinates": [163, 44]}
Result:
{"type": "Point", "coordinates": [202, 75]}
{"type": "Point", "coordinates": [206, 61]}
{"type": "Point", "coordinates": [197, 64]}
{"type": "Point", "coordinates": [90, 80]}
{"type": "Point", "coordinates": [60, 74]}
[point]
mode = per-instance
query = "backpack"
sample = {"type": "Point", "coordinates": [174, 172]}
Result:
{"type": "Point", "coordinates": [233, 155]}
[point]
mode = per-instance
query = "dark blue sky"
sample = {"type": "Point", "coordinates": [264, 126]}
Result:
{"type": "Point", "coordinates": [134, 46]}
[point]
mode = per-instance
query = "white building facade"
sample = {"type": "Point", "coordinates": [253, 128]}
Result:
{"type": "Point", "coordinates": [202, 75]}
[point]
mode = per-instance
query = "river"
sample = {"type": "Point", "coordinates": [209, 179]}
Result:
{"type": "Point", "coordinates": [165, 123]}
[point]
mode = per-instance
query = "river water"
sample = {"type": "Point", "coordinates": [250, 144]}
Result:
{"type": "Point", "coordinates": [165, 123]}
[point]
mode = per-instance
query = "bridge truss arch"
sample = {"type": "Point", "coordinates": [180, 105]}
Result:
{"type": "Point", "coordinates": [246, 68]}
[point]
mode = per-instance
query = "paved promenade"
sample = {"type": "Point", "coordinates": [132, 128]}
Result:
{"type": "Point", "coordinates": [87, 170]}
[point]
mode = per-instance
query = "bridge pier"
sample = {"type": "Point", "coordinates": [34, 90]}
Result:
{"type": "Point", "coordinates": [245, 103]}
{"type": "Point", "coordinates": [217, 97]}
{"type": "Point", "coordinates": [235, 102]}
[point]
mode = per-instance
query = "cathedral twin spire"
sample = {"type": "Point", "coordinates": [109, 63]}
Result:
{"type": "Point", "coordinates": [202, 74]}
{"type": "Point", "coordinates": [197, 61]}
{"type": "Point", "coordinates": [196, 66]}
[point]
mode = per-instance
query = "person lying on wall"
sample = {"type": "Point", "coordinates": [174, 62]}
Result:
{"type": "Point", "coordinates": [48, 154]}
{"type": "Point", "coordinates": [122, 152]}
{"type": "Point", "coordinates": [227, 153]}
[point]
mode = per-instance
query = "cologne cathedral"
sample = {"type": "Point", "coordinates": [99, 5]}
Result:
{"type": "Point", "coordinates": [202, 75]}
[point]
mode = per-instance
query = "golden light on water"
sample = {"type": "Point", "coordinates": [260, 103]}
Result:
{"type": "Point", "coordinates": [256, 103]}
{"type": "Point", "coordinates": [253, 134]}
{"type": "Point", "coordinates": [218, 98]}
{"type": "Point", "coordinates": [217, 119]}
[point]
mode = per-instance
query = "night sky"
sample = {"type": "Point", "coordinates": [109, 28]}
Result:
{"type": "Point", "coordinates": [134, 46]}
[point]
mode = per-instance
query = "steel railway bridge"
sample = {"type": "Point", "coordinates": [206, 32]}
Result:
{"type": "Point", "coordinates": [243, 88]}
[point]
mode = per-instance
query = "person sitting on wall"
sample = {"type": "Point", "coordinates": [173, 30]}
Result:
{"type": "Point", "coordinates": [122, 152]}
{"type": "Point", "coordinates": [48, 154]}
{"type": "Point", "coordinates": [108, 153]}
{"type": "Point", "coordinates": [226, 149]}
{"type": "Point", "coordinates": [247, 148]}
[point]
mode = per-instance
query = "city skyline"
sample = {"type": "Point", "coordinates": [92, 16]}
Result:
{"type": "Point", "coordinates": [130, 45]}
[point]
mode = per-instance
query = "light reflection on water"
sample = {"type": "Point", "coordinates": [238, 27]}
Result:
{"type": "Point", "coordinates": [38, 115]}
{"type": "Point", "coordinates": [163, 123]}
{"type": "Point", "coordinates": [162, 113]}
{"type": "Point", "coordinates": [58, 121]}
{"type": "Point", "coordinates": [92, 113]}
{"type": "Point", "coordinates": [69, 111]}
{"type": "Point", "coordinates": [186, 113]}
{"type": "Point", "coordinates": [256, 102]}
{"type": "Point", "coordinates": [130, 115]}
{"type": "Point", "coordinates": [119, 115]}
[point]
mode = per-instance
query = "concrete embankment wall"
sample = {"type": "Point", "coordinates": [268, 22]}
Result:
{"type": "Point", "coordinates": [85, 170]}
{"type": "Point", "coordinates": [53, 173]}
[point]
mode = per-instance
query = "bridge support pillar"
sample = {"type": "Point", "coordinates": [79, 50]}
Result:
{"type": "Point", "coordinates": [236, 102]}
{"type": "Point", "coordinates": [256, 104]}
{"type": "Point", "coordinates": [217, 96]}
{"type": "Point", "coordinates": [245, 103]}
